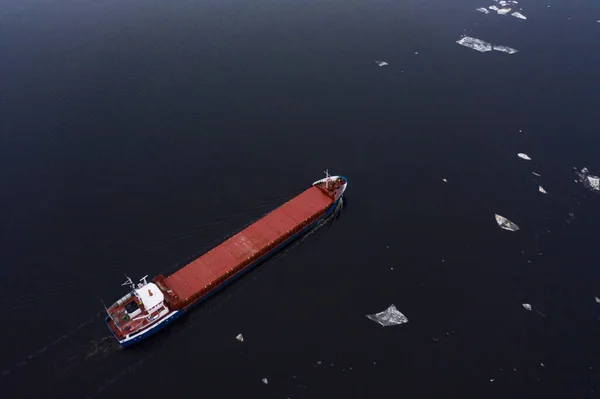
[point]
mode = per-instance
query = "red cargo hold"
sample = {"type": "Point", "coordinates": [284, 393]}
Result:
{"type": "Point", "coordinates": [232, 256]}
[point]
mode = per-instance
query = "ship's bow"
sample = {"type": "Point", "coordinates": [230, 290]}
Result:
{"type": "Point", "coordinates": [334, 186]}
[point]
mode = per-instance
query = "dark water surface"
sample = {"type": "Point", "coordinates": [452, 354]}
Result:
{"type": "Point", "coordinates": [138, 134]}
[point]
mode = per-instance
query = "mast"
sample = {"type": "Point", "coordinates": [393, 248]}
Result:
{"type": "Point", "coordinates": [128, 282]}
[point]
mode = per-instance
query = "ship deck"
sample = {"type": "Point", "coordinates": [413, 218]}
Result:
{"type": "Point", "coordinates": [233, 255]}
{"type": "Point", "coordinates": [128, 325]}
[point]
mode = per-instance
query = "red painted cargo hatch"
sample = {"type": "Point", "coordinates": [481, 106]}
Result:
{"type": "Point", "coordinates": [224, 261]}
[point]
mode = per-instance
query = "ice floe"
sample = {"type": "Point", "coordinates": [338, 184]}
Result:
{"type": "Point", "coordinates": [240, 337]}
{"type": "Point", "coordinates": [381, 63]}
{"type": "Point", "coordinates": [389, 317]}
{"type": "Point", "coordinates": [597, 299]}
{"type": "Point", "coordinates": [483, 46]}
{"type": "Point", "coordinates": [505, 223]}
{"type": "Point", "coordinates": [536, 174]}
{"type": "Point", "coordinates": [524, 156]}
{"type": "Point", "coordinates": [505, 8]}
{"type": "Point", "coordinates": [475, 44]}
{"type": "Point", "coordinates": [589, 181]}
{"type": "Point", "coordinates": [505, 3]}
{"type": "Point", "coordinates": [541, 189]}
{"type": "Point", "coordinates": [505, 49]}
{"type": "Point", "coordinates": [594, 182]}
{"type": "Point", "coordinates": [527, 306]}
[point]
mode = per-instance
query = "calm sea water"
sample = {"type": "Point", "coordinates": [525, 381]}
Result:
{"type": "Point", "coordinates": [138, 134]}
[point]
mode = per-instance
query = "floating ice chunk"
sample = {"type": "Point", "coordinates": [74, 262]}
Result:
{"type": "Point", "coordinates": [445, 180]}
{"type": "Point", "coordinates": [503, 3]}
{"type": "Point", "coordinates": [504, 11]}
{"type": "Point", "coordinates": [527, 306]}
{"type": "Point", "coordinates": [590, 181]}
{"type": "Point", "coordinates": [240, 337]}
{"type": "Point", "coordinates": [475, 44]}
{"type": "Point", "coordinates": [541, 189]}
{"type": "Point", "coordinates": [505, 49]}
{"type": "Point", "coordinates": [389, 317]}
{"type": "Point", "coordinates": [493, 8]}
{"type": "Point", "coordinates": [518, 15]}
{"type": "Point", "coordinates": [594, 182]}
{"type": "Point", "coordinates": [536, 174]}
{"type": "Point", "coordinates": [483, 10]}
{"type": "Point", "coordinates": [597, 299]}
{"type": "Point", "coordinates": [265, 381]}
{"type": "Point", "coordinates": [381, 63]}
{"type": "Point", "coordinates": [524, 156]}
{"type": "Point", "coordinates": [506, 224]}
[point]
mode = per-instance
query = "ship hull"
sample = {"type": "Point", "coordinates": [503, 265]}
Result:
{"type": "Point", "coordinates": [153, 329]}
{"type": "Point", "coordinates": [176, 314]}
{"type": "Point", "coordinates": [204, 277]}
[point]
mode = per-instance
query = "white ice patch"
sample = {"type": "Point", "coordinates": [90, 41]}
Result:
{"type": "Point", "coordinates": [504, 11]}
{"type": "Point", "coordinates": [517, 14]}
{"type": "Point", "coordinates": [475, 44]}
{"type": "Point", "coordinates": [589, 181]}
{"type": "Point", "coordinates": [542, 190]}
{"type": "Point", "coordinates": [265, 381]}
{"type": "Point", "coordinates": [240, 337]}
{"type": "Point", "coordinates": [536, 174]}
{"type": "Point", "coordinates": [381, 63]}
{"type": "Point", "coordinates": [483, 10]}
{"type": "Point", "coordinates": [527, 306]}
{"type": "Point", "coordinates": [505, 223]}
{"type": "Point", "coordinates": [524, 156]}
{"type": "Point", "coordinates": [483, 46]}
{"type": "Point", "coordinates": [389, 317]}
{"type": "Point", "coordinates": [505, 49]}
{"type": "Point", "coordinates": [597, 299]}
{"type": "Point", "coordinates": [594, 182]}
{"type": "Point", "coordinates": [445, 180]}
{"type": "Point", "coordinates": [493, 8]}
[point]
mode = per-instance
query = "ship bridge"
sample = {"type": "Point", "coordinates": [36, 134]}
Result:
{"type": "Point", "coordinates": [150, 296]}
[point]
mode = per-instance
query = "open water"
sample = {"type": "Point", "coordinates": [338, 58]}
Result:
{"type": "Point", "coordinates": [137, 134]}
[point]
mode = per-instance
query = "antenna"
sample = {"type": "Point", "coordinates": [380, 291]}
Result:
{"type": "Point", "coordinates": [129, 282]}
{"type": "Point", "coordinates": [103, 304]}
{"type": "Point", "coordinates": [327, 178]}
{"type": "Point", "coordinates": [143, 280]}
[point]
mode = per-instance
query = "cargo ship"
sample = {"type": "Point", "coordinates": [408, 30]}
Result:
{"type": "Point", "coordinates": [151, 306]}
